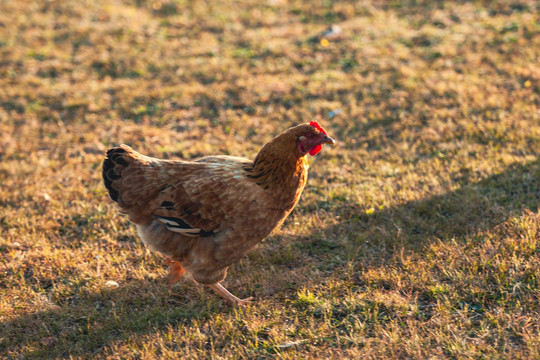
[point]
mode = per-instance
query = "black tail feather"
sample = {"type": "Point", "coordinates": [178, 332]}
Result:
{"type": "Point", "coordinates": [110, 173]}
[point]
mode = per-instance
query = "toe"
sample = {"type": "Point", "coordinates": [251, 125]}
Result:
{"type": "Point", "coordinates": [244, 302]}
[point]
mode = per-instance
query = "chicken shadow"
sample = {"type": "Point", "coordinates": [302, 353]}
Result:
{"type": "Point", "coordinates": [380, 234]}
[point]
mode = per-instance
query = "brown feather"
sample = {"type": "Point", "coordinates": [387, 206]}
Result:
{"type": "Point", "coordinates": [206, 214]}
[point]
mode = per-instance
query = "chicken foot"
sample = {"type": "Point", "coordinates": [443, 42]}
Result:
{"type": "Point", "coordinates": [230, 298]}
{"type": "Point", "coordinates": [177, 271]}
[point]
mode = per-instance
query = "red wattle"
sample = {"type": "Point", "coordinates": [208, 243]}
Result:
{"type": "Point", "coordinates": [315, 150]}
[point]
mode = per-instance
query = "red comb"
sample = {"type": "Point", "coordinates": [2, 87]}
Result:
{"type": "Point", "coordinates": [317, 126]}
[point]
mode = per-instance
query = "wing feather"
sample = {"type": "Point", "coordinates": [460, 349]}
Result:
{"type": "Point", "coordinates": [203, 200]}
{"type": "Point", "coordinates": [179, 226]}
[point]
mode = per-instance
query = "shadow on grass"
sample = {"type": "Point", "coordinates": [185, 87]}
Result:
{"type": "Point", "coordinates": [473, 208]}
{"type": "Point", "coordinates": [84, 324]}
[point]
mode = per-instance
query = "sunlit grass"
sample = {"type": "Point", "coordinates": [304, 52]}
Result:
{"type": "Point", "coordinates": [416, 237]}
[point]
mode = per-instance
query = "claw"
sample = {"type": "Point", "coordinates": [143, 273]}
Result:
{"type": "Point", "coordinates": [230, 298]}
{"type": "Point", "coordinates": [244, 302]}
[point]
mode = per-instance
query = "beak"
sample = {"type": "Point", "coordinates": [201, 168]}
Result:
{"type": "Point", "coordinates": [328, 140]}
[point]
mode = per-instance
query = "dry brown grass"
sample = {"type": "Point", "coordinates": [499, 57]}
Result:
{"type": "Point", "coordinates": [417, 237]}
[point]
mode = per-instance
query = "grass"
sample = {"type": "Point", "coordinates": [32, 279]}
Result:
{"type": "Point", "coordinates": [416, 237]}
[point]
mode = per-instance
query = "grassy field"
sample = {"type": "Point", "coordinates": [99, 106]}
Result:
{"type": "Point", "coordinates": [417, 237]}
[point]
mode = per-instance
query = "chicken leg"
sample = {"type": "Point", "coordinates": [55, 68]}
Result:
{"type": "Point", "coordinates": [177, 271]}
{"type": "Point", "coordinates": [230, 298]}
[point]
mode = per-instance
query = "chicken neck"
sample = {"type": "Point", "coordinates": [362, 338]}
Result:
{"type": "Point", "coordinates": [283, 175]}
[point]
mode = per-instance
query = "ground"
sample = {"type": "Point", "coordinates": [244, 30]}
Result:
{"type": "Point", "coordinates": [416, 237]}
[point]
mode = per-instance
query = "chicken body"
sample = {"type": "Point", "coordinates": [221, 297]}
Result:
{"type": "Point", "coordinates": [208, 213]}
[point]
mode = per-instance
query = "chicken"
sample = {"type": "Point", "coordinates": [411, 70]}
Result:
{"type": "Point", "coordinates": [206, 214]}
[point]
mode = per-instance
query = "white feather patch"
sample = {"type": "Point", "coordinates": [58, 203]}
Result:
{"type": "Point", "coordinates": [167, 221]}
{"type": "Point", "coordinates": [186, 232]}
{"type": "Point", "coordinates": [175, 227]}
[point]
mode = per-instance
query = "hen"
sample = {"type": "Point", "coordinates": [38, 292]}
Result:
{"type": "Point", "coordinates": [207, 213]}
